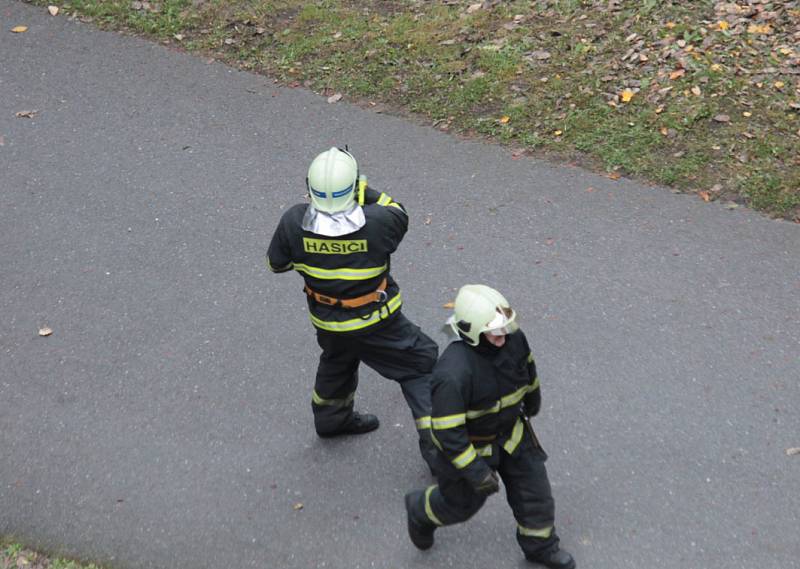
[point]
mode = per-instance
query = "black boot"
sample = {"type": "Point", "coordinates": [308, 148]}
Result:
{"type": "Point", "coordinates": [421, 536]}
{"type": "Point", "coordinates": [358, 424]}
{"type": "Point", "coordinates": [554, 558]}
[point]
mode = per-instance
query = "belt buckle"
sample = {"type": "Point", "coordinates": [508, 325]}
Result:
{"type": "Point", "coordinates": [382, 296]}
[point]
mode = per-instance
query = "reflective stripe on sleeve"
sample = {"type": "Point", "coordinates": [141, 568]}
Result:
{"type": "Point", "coordinates": [542, 533]}
{"type": "Point", "coordinates": [516, 436]}
{"type": "Point", "coordinates": [484, 450]}
{"type": "Point", "coordinates": [359, 323]}
{"type": "Point", "coordinates": [428, 510]}
{"type": "Point", "coordinates": [346, 402]}
{"type": "Point", "coordinates": [534, 386]}
{"type": "Point", "coordinates": [448, 421]}
{"type": "Point", "coordinates": [278, 269]}
{"type": "Point", "coordinates": [514, 398]}
{"type": "Point", "coordinates": [345, 274]}
{"type": "Point", "coordinates": [475, 413]}
{"type": "Point", "coordinates": [423, 423]}
{"type": "Point", "coordinates": [384, 199]}
{"type": "Point", "coordinates": [465, 458]}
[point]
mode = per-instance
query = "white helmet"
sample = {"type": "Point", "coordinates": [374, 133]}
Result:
{"type": "Point", "coordinates": [332, 180]}
{"type": "Point", "coordinates": [479, 309]}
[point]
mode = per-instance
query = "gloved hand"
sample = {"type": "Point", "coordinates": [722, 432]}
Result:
{"type": "Point", "coordinates": [371, 196]}
{"type": "Point", "coordinates": [532, 403]}
{"type": "Point", "coordinates": [489, 485]}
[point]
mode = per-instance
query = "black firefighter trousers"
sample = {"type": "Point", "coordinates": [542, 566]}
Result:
{"type": "Point", "coordinates": [528, 492]}
{"type": "Point", "coordinates": [399, 351]}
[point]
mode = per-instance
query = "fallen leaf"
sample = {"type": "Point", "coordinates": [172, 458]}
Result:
{"type": "Point", "coordinates": [53, 10]}
{"type": "Point", "coordinates": [298, 506]}
{"type": "Point", "coordinates": [427, 220]}
{"type": "Point", "coordinates": [334, 98]}
{"type": "Point", "coordinates": [723, 25]}
{"type": "Point", "coordinates": [705, 196]}
{"type": "Point", "coordinates": [722, 118]}
{"type": "Point", "coordinates": [449, 305]}
{"type": "Point", "coordinates": [25, 114]}
{"type": "Point", "coordinates": [19, 29]}
{"type": "Point", "coordinates": [558, 133]}
{"type": "Point", "coordinates": [759, 29]}
{"type": "Point", "coordinates": [731, 205]}
{"type": "Point", "coordinates": [677, 74]}
{"type": "Point", "coordinates": [626, 96]}
{"type": "Point", "coordinates": [518, 153]}
{"type": "Point", "coordinates": [715, 67]}
{"type": "Point", "coordinates": [747, 114]}
{"type": "Point", "coordinates": [614, 175]}
{"type": "Point", "coordinates": [696, 90]}
{"type": "Point", "coordinates": [779, 84]}
{"type": "Point", "coordinates": [715, 189]}
{"type": "Point", "coordinates": [45, 331]}
{"type": "Point", "coordinates": [504, 119]}
{"type": "Point", "coordinates": [670, 25]}
{"type": "Point", "coordinates": [178, 37]}
{"type": "Point", "coordinates": [659, 110]}
{"type": "Point", "coordinates": [472, 8]}
{"type": "Point", "coordinates": [792, 451]}
{"type": "Point", "coordinates": [229, 41]}
{"type": "Point", "coordinates": [539, 55]}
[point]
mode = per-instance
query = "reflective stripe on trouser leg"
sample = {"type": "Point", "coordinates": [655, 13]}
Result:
{"type": "Point", "coordinates": [529, 495]}
{"type": "Point", "coordinates": [449, 502]}
{"type": "Point", "coordinates": [335, 385]}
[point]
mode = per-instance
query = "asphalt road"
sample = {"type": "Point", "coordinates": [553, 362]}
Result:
{"type": "Point", "coordinates": [166, 422]}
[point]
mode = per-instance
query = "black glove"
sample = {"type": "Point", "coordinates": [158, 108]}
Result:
{"type": "Point", "coordinates": [532, 403]}
{"type": "Point", "coordinates": [371, 196]}
{"type": "Point", "coordinates": [489, 485]}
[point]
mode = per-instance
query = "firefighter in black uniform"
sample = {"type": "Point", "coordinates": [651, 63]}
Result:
{"type": "Point", "coordinates": [484, 388]}
{"type": "Point", "coordinates": [340, 243]}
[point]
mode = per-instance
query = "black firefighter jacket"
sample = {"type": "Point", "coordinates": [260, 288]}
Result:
{"type": "Point", "coordinates": [347, 266]}
{"type": "Point", "coordinates": [480, 398]}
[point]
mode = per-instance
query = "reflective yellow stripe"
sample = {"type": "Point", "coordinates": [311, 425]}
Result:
{"type": "Point", "coordinates": [278, 269]}
{"type": "Point", "coordinates": [449, 421]}
{"type": "Point", "coordinates": [344, 274]}
{"type": "Point", "coordinates": [423, 423]}
{"type": "Point", "coordinates": [534, 386]}
{"type": "Point", "coordinates": [346, 402]}
{"type": "Point", "coordinates": [359, 323]}
{"type": "Point", "coordinates": [516, 436]}
{"type": "Point", "coordinates": [475, 413]}
{"type": "Point", "coordinates": [530, 358]}
{"type": "Point", "coordinates": [465, 458]}
{"type": "Point", "coordinates": [397, 205]}
{"type": "Point", "coordinates": [514, 398]}
{"type": "Point", "coordinates": [542, 533]}
{"type": "Point", "coordinates": [436, 441]}
{"type": "Point", "coordinates": [384, 199]}
{"type": "Point", "coordinates": [428, 510]}
{"type": "Point", "coordinates": [484, 451]}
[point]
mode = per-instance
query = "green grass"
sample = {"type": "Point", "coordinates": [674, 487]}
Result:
{"type": "Point", "coordinates": [16, 556]}
{"type": "Point", "coordinates": [545, 76]}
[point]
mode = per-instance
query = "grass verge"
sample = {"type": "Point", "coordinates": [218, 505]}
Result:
{"type": "Point", "coordinates": [702, 96]}
{"type": "Point", "coordinates": [15, 556]}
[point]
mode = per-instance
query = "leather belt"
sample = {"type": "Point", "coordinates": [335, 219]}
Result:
{"type": "Point", "coordinates": [482, 438]}
{"type": "Point", "coordinates": [378, 295]}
